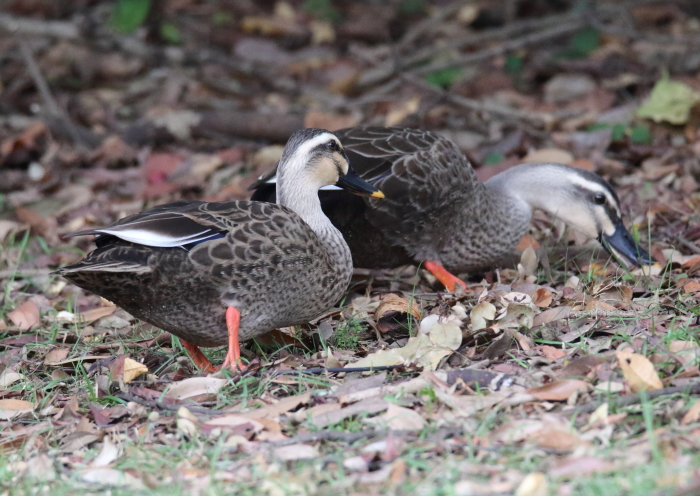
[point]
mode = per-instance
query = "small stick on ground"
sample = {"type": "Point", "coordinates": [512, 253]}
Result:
{"type": "Point", "coordinates": [43, 87]}
{"type": "Point", "coordinates": [633, 399]}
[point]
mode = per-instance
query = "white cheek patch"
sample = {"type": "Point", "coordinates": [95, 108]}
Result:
{"type": "Point", "coordinates": [596, 188]}
{"type": "Point", "coordinates": [330, 187]}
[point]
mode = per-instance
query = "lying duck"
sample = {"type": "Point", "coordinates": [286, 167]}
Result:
{"type": "Point", "coordinates": [439, 214]}
{"type": "Point", "coordinates": [217, 273]}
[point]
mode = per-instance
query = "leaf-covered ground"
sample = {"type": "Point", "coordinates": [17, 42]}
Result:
{"type": "Point", "coordinates": [560, 374]}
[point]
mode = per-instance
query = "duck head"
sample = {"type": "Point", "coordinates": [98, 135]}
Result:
{"type": "Point", "coordinates": [315, 158]}
{"type": "Point", "coordinates": [582, 199]}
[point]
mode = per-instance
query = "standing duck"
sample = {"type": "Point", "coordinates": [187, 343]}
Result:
{"type": "Point", "coordinates": [439, 214]}
{"type": "Point", "coordinates": [217, 273]}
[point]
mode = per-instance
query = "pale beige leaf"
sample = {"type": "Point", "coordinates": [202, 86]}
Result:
{"type": "Point", "coordinates": [379, 358]}
{"type": "Point", "coordinates": [558, 390]}
{"type": "Point", "coordinates": [549, 155]}
{"type": "Point", "coordinates": [395, 303]}
{"type": "Point", "coordinates": [638, 371]}
{"type": "Point", "coordinates": [133, 369]}
{"type": "Point", "coordinates": [296, 452]}
{"type": "Point", "coordinates": [552, 438]}
{"type": "Point", "coordinates": [398, 418]}
{"type": "Point", "coordinates": [282, 406]}
{"type": "Point", "coordinates": [692, 415]}
{"type": "Point", "coordinates": [466, 406]}
{"type": "Point", "coordinates": [9, 377]}
{"type": "Point", "coordinates": [195, 386]}
{"type": "Point", "coordinates": [534, 484]}
{"type": "Point", "coordinates": [482, 313]}
{"type": "Point", "coordinates": [447, 336]}
{"type": "Point", "coordinates": [551, 315]}
{"type": "Point", "coordinates": [97, 313]}
{"type": "Point", "coordinates": [542, 298]}
{"type": "Point", "coordinates": [56, 355]}
{"type": "Point", "coordinates": [234, 421]}
{"type": "Point", "coordinates": [528, 261]}
{"type": "Point", "coordinates": [112, 477]}
{"type": "Point", "coordinates": [6, 227]}
{"type": "Point", "coordinates": [11, 408]}
{"type": "Point", "coordinates": [108, 454]}
{"type": "Point", "coordinates": [25, 316]}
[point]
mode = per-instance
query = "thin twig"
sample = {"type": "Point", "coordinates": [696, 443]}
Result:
{"type": "Point", "coordinates": [633, 399]}
{"type": "Point", "coordinates": [45, 92]}
{"type": "Point", "coordinates": [166, 406]}
{"type": "Point", "coordinates": [688, 244]}
{"type": "Point", "coordinates": [336, 370]}
{"type": "Point", "coordinates": [507, 46]}
{"type": "Point", "coordinates": [36, 27]}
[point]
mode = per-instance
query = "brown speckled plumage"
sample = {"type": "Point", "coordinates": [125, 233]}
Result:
{"type": "Point", "coordinates": [278, 266]}
{"type": "Point", "coordinates": [437, 209]}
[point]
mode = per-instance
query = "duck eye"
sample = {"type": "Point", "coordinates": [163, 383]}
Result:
{"type": "Point", "coordinates": [599, 199]}
{"type": "Point", "coordinates": [333, 145]}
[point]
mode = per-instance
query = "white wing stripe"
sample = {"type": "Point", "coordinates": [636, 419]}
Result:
{"type": "Point", "coordinates": [149, 238]}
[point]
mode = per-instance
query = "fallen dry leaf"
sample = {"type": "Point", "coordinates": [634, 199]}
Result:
{"type": "Point", "coordinates": [534, 484]}
{"type": "Point", "coordinates": [9, 377]}
{"type": "Point", "coordinates": [11, 408]}
{"type": "Point", "coordinates": [112, 477]}
{"type": "Point", "coordinates": [542, 298]}
{"type": "Point", "coordinates": [558, 439]}
{"type": "Point", "coordinates": [195, 386]}
{"type": "Point", "coordinates": [638, 371]}
{"type": "Point", "coordinates": [25, 316]}
{"type": "Point", "coordinates": [398, 418]}
{"type": "Point", "coordinates": [481, 314]}
{"type": "Point", "coordinates": [90, 316]}
{"type": "Point", "coordinates": [558, 390]}
{"type": "Point", "coordinates": [551, 315]}
{"type": "Point", "coordinates": [133, 369]}
{"type": "Point", "coordinates": [580, 466]}
{"type": "Point", "coordinates": [692, 415]}
{"type": "Point", "coordinates": [108, 454]}
{"type": "Point", "coordinates": [296, 452]}
{"type": "Point", "coordinates": [282, 406]}
{"type": "Point", "coordinates": [56, 355]}
{"type": "Point", "coordinates": [550, 352]}
{"type": "Point", "coordinates": [392, 306]}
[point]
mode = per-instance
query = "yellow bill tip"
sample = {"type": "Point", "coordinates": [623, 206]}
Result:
{"type": "Point", "coordinates": [377, 194]}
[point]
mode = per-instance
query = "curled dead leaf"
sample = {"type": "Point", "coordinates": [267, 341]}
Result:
{"type": "Point", "coordinates": [133, 369]}
{"type": "Point", "coordinates": [692, 415]}
{"type": "Point", "coordinates": [542, 298]}
{"type": "Point", "coordinates": [481, 314]}
{"type": "Point", "coordinates": [534, 484]}
{"type": "Point", "coordinates": [11, 408]}
{"type": "Point", "coordinates": [395, 310]}
{"type": "Point", "coordinates": [195, 386]}
{"type": "Point", "coordinates": [25, 316]}
{"type": "Point", "coordinates": [398, 418]}
{"type": "Point", "coordinates": [558, 390]}
{"type": "Point", "coordinates": [638, 371]}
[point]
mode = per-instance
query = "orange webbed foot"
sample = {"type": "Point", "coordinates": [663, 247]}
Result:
{"type": "Point", "coordinates": [449, 280]}
{"type": "Point", "coordinates": [233, 356]}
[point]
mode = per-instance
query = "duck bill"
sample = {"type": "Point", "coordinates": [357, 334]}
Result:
{"type": "Point", "coordinates": [622, 246]}
{"type": "Point", "coordinates": [358, 186]}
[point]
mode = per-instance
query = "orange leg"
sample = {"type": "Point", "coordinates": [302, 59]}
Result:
{"type": "Point", "coordinates": [197, 356]}
{"type": "Point", "coordinates": [233, 357]}
{"type": "Point", "coordinates": [443, 275]}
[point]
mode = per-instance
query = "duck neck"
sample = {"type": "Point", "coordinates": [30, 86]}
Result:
{"type": "Point", "coordinates": [302, 198]}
